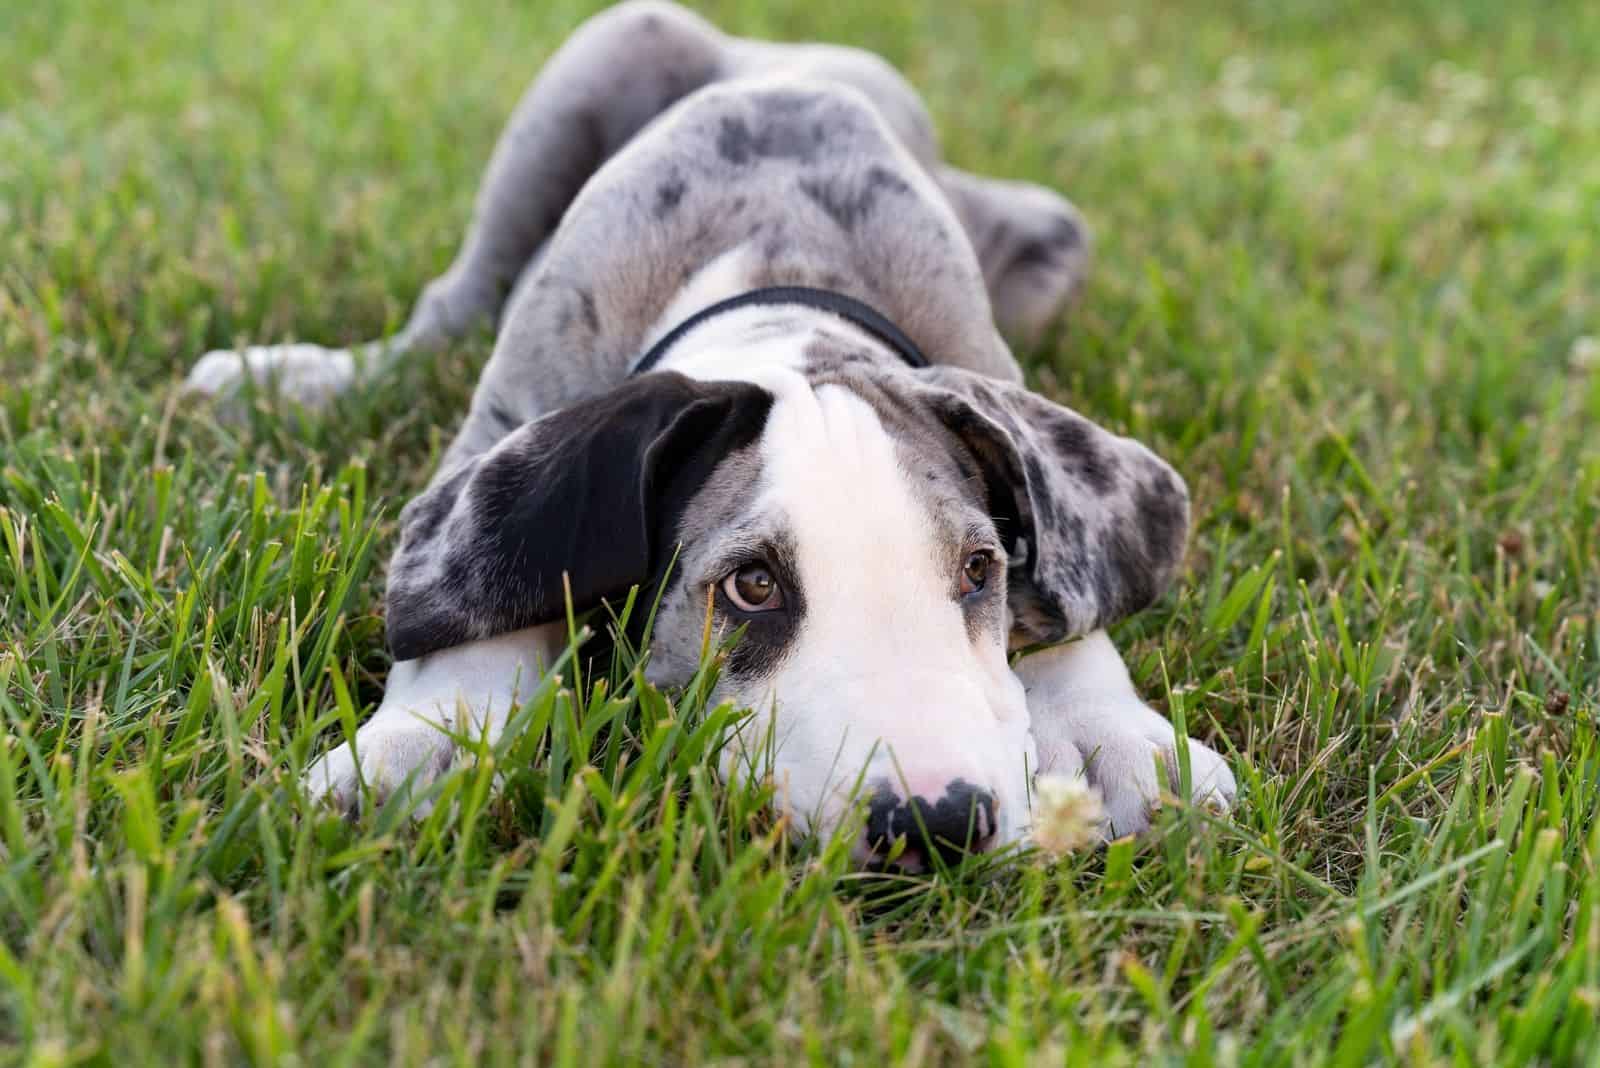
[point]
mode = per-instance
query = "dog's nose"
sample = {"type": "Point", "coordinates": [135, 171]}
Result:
{"type": "Point", "coordinates": [963, 820]}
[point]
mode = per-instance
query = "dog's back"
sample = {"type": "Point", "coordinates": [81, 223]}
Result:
{"type": "Point", "coordinates": [741, 185]}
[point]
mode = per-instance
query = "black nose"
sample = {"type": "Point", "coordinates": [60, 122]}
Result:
{"type": "Point", "coordinates": [960, 822]}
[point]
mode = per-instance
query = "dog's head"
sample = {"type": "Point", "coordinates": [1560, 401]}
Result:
{"type": "Point", "coordinates": [882, 537]}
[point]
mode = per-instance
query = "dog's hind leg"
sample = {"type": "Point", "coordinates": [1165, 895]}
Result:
{"type": "Point", "coordinates": [616, 72]}
{"type": "Point", "coordinates": [1033, 246]}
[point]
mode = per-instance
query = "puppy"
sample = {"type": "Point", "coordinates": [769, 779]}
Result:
{"type": "Point", "coordinates": [752, 326]}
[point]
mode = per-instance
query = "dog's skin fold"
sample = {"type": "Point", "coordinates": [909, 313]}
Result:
{"type": "Point", "coordinates": [885, 535]}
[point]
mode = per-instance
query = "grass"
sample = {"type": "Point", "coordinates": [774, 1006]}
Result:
{"type": "Point", "coordinates": [1348, 280]}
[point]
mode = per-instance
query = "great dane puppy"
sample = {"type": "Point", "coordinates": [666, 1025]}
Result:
{"type": "Point", "coordinates": [748, 326]}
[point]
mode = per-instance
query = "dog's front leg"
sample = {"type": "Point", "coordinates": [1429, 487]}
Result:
{"type": "Point", "coordinates": [1087, 717]}
{"type": "Point", "coordinates": [469, 690]}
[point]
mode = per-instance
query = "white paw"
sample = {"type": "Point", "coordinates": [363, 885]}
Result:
{"type": "Point", "coordinates": [1135, 763]}
{"type": "Point", "coordinates": [392, 756]}
{"type": "Point", "coordinates": [309, 375]}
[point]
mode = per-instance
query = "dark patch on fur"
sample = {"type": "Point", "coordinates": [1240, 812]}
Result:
{"type": "Point", "coordinates": [841, 209]}
{"type": "Point", "coordinates": [1124, 582]}
{"type": "Point", "coordinates": [591, 316]}
{"type": "Point", "coordinates": [848, 205]}
{"type": "Point", "coordinates": [504, 419]}
{"type": "Point", "coordinates": [1044, 502]}
{"type": "Point", "coordinates": [740, 146]}
{"type": "Point", "coordinates": [459, 572]}
{"type": "Point", "coordinates": [1162, 510]}
{"type": "Point", "coordinates": [734, 142]}
{"type": "Point", "coordinates": [881, 179]}
{"type": "Point", "coordinates": [1074, 439]}
{"type": "Point", "coordinates": [757, 655]}
{"type": "Point", "coordinates": [1073, 569]}
{"type": "Point", "coordinates": [422, 518]}
{"type": "Point", "coordinates": [1037, 614]}
{"type": "Point", "coordinates": [668, 194]}
{"type": "Point", "coordinates": [1062, 240]}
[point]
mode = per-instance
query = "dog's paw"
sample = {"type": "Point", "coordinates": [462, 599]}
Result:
{"type": "Point", "coordinates": [309, 375]}
{"type": "Point", "coordinates": [389, 758]}
{"type": "Point", "coordinates": [1135, 765]}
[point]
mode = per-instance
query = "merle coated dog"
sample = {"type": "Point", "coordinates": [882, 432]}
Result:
{"type": "Point", "coordinates": [750, 324]}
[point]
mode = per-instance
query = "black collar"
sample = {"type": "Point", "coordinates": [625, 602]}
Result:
{"type": "Point", "coordinates": [847, 308]}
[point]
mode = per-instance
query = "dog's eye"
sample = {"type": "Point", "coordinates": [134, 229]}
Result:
{"type": "Point", "coordinates": [753, 589]}
{"type": "Point", "coordinates": [974, 573]}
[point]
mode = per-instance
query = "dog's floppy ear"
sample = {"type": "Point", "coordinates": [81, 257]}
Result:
{"type": "Point", "coordinates": [1095, 523]}
{"type": "Point", "coordinates": [596, 490]}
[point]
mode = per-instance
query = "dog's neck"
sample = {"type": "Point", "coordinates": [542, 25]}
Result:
{"type": "Point", "coordinates": [749, 342]}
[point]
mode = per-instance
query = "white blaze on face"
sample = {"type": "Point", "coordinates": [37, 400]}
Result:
{"type": "Point", "coordinates": [882, 683]}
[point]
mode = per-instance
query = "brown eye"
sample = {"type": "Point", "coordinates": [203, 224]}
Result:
{"type": "Point", "coordinates": [974, 573]}
{"type": "Point", "coordinates": [753, 589]}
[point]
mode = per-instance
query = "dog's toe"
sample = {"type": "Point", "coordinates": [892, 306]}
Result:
{"type": "Point", "coordinates": [1211, 781]}
{"type": "Point", "coordinates": [1135, 770]}
{"type": "Point", "coordinates": [391, 761]}
{"type": "Point", "coordinates": [333, 779]}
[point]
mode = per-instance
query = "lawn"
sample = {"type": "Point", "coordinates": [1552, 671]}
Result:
{"type": "Point", "coordinates": [1347, 280]}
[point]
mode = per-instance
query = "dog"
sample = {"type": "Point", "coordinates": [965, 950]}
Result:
{"type": "Point", "coordinates": [752, 327]}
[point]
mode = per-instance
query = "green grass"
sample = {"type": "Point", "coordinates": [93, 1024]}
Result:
{"type": "Point", "coordinates": [1348, 257]}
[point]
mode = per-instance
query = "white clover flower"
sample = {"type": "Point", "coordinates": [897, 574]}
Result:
{"type": "Point", "coordinates": [1067, 813]}
{"type": "Point", "coordinates": [1585, 353]}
